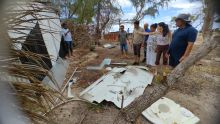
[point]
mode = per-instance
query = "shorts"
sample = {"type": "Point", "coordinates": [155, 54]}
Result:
{"type": "Point", "coordinates": [69, 45]}
{"type": "Point", "coordinates": [137, 49]}
{"type": "Point", "coordinates": [124, 47]}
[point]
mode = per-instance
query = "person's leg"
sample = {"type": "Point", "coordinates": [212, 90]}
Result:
{"type": "Point", "coordinates": [68, 48]}
{"type": "Point", "coordinates": [165, 59]}
{"type": "Point", "coordinates": [171, 60]}
{"type": "Point", "coordinates": [164, 68]}
{"type": "Point", "coordinates": [159, 52]}
{"type": "Point", "coordinates": [121, 48]}
{"type": "Point", "coordinates": [126, 50]}
{"type": "Point", "coordinates": [71, 48]}
{"type": "Point", "coordinates": [138, 53]}
{"type": "Point", "coordinates": [145, 52]}
{"type": "Point", "coordinates": [135, 53]}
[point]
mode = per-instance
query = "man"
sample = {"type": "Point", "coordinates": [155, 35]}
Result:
{"type": "Point", "coordinates": [123, 38]}
{"type": "Point", "coordinates": [182, 40]}
{"type": "Point", "coordinates": [128, 30]}
{"type": "Point", "coordinates": [137, 41]}
{"type": "Point", "coordinates": [67, 38]}
{"type": "Point", "coordinates": [145, 41]}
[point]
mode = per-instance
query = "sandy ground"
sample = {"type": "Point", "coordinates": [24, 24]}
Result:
{"type": "Point", "coordinates": [198, 90]}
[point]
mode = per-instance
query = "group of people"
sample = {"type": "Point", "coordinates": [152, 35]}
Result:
{"type": "Point", "coordinates": [159, 41]}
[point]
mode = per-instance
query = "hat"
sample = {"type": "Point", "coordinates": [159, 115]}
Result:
{"type": "Point", "coordinates": [184, 17]}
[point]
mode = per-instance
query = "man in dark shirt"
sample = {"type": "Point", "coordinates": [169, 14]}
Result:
{"type": "Point", "coordinates": [123, 38]}
{"type": "Point", "coordinates": [182, 40]}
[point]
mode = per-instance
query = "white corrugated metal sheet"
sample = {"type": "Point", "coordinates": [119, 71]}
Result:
{"type": "Point", "coordinates": [130, 81]}
{"type": "Point", "coordinates": [166, 111]}
{"type": "Point", "coordinates": [48, 21]}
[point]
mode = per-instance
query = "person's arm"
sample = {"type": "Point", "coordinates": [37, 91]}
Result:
{"type": "Point", "coordinates": [147, 33]}
{"type": "Point", "coordinates": [127, 36]}
{"type": "Point", "coordinates": [127, 40]}
{"type": "Point", "coordinates": [67, 32]}
{"type": "Point", "coordinates": [143, 42]}
{"type": "Point", "coordinates": [118, 37]}
{"type": "Point", "coordinates": [187, 52]}
{"type": "Point", "coordinates": [132, 40]}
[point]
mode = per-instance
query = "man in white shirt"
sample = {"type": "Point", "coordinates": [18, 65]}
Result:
{"type": "Point", "coordinates": [67, 38]}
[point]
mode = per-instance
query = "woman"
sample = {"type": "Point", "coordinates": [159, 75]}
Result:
{"type": "Point", "coordinates": [151, 47]}
{"type": "Point", "coordinates": [163, 41]}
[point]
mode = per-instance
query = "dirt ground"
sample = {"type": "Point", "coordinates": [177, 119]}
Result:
{"type": "Point", "coordinates": [198, 90]}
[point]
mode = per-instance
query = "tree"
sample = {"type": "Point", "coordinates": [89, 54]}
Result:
{"type": "Point", "coordinates": [151, 10]}
{"type": "Point", "coordinates": [209, 17]}
{"type": "Point", "coordinates": [85, 11]}
{"type": "Point", "coordinates": [106, 11]}
{"type": "Point", "coordinates": [100, 12]}
{"type": "Point", "coordinates": [80, 10]}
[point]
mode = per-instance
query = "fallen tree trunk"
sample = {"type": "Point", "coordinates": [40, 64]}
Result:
{"type": "Point", "coordinates": [130, 114]}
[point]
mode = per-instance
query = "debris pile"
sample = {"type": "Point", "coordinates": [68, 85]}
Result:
{"type": "Point", "coordinates": [82, 34]}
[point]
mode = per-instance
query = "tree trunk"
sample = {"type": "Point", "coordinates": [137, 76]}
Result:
{"type": "Point", "coordinates": [133, 111]}
{"type": "Point", "coordinates": [98, 32]}
{"type": "Point", "coordinates": [208, 19]}
{"type": "Point", "coordinates": [130, 114]}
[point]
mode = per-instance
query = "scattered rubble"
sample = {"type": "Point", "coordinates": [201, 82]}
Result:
{"type": "Point", "coordinates": [109, 46]}
{"type": "Point", "coordinates": [101, 66]}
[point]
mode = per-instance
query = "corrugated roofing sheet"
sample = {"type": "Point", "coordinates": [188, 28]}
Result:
{"type": "Point", "coordinates": [130, 81]}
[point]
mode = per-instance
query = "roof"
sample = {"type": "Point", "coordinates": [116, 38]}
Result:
{"type": "Point", "coordinates": [129, 81]}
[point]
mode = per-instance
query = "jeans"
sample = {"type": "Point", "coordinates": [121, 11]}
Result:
{"type": "Point", "coordinates": [69, 45]}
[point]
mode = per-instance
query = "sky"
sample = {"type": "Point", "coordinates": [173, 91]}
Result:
{"type": "Point", "coordinates": [174, 8]}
